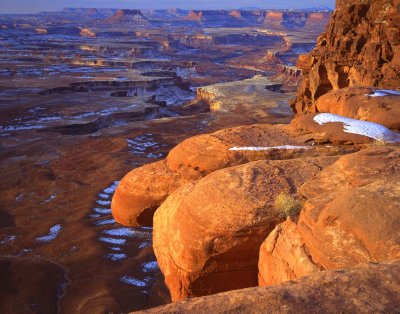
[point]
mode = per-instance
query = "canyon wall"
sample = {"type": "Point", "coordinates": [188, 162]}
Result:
{"type": "Point", "coordinates": [361, 46]}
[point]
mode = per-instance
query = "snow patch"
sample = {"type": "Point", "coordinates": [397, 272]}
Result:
{"type": "Point", "coordinates": [8, 239]}
{"type": "Point", "coordinates": [105, 222]}
{"type": "Point", "coordinates": [132, 281]}
{"type": "Point", "coordinates": [150, 266]}
{"type": "Point", "coordinates": [116, 257]}
{"type": "Point", "coordinates": [365, 128]}
{"type": "Point", "coordinates": [257, 148]}
{"type": "Point", "coordinates": [383, 93]}
{"type": "Point", "coordinates": [53, 233]}
{"type": "Point", "coordinates": [115, 241]}
{"type": "Point", "coordinates": [103, 211]}
{"type": "Point", "coordinates": [111, 188]}
{"type": "Point", "coordinates": [104, 203]}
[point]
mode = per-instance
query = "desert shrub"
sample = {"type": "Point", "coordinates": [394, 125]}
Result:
{"type": "Point", "coordinates": [287, 205]}
{"type": "Point", "coordinates": [379, 142]}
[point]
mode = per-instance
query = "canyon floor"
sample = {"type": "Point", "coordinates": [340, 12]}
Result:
{"type": "Point", "coordinates": [82, 105]}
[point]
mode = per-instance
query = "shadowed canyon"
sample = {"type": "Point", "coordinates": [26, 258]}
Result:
{"type": "Point", "coordinates": [197, 161]}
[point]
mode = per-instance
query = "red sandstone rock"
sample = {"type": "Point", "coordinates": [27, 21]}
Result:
{"type": "Point", "coordinates": [144, 189]}
{"type": "Point", "coordinates": [352, 212]}
{"type": "Point", "coordinates": [141, 191]}
{"type": "Point", "coordinates": [283, 256]}
{"type": "Point", "coordinates": [351, 216]}
{"type": "Point", "coordinates": [329, 132]}
{"type": "Point", "coordinates": [359, 47]}
{"type": "Point", "coordinates": [354, 103]}
{"type": "Point", "coordinates": [207, 234]}
{"type": "Point", "coordinates": [203, 154]}
{"type": "Point", "coordinates": [368, 288]}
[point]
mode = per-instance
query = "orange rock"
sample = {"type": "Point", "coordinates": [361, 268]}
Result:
{"type": "Point", "coordinates": [144, 189]}
{"type": "Point", "coordinates": [207, 234]}
{"type": "Point", "coordinates": [203, 154]}
{"type": "Point", "coordinates": [351, 216]}
{"type": "Point", "coordinates": [141, 191]}
{"type": "Point", "coordinates": [368, 288]}
{"type": "Point", "coordinates": [353, 52]}
{"type": "Point", "coordinates": [283, 256]}
{"type": "Point", "coordinates": [354, 103]}
{"type": "Point", "coordinates": [329, 132]}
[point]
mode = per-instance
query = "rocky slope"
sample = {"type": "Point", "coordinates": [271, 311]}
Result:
{"type": "Point", "coordinates": [361, 46]}
{"type": "Point", "coordinates": [371, 288]}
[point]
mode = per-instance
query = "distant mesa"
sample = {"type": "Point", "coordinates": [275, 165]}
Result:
{"type": "Point", "coordinates": [128, 17]}
{"type": "Point", "coordinates": [86, 32]}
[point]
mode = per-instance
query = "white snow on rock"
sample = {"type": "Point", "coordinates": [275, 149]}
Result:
{"type": "Point", "coordinates": [150, 266]}
{"type": "Point", "coordinates": [132, 281]}
{"type": "Point", "coordinates": [384, 92]}
{"type": "Point", "coordinates": [116, 241]}
{"type": "Point", "coordinates": [8, 239]}
{"type": "Point", "coordinates": [116, 257]}
{"type": "Point", "coordinates": [257, 148]}
{"type": "Point", "coordinates": [53, 233]}
{"type": "Point", "coordinates": [365, 128]}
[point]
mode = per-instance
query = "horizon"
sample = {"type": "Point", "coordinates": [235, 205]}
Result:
{"type": "Point", "coordinates": [58, 5]}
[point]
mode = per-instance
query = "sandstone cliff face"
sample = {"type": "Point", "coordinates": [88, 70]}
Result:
{"type": "Point", "coordinates": [361, 46]}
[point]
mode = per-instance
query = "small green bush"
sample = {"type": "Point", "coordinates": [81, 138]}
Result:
{"type": "Point", "coordinates": [287, 205]}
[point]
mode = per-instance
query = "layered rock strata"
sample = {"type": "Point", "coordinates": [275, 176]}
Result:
{"type": "Point", "coordinates": [361, 47]}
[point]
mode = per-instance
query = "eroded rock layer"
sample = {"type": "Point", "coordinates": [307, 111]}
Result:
{"type": "Point", "coordinates": [361, 47]}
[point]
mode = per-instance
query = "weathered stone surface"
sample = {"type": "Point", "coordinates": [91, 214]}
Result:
{"type": "Point", "coordinates": [207, 234]}
{"type": "Point", "coordinates": [351, 216]}
{"type": "Point", "coordinates": [329, 132]}
{"type": "Point", "coordinates": [30, 285]}
{"type": "Point", "coordinates": [353, 209]}
{"type": "Point", "coordinates": [370, 288]}
{"type": "Point", "coordinates": [284, 256]}
{"type": "Point", "coordinates": [354, 102]}
{"type": "Point", "coordinates": [141, 191]}
{"type": "Point", "coordinates": [144, 189]}
{"type": "Point", "coordinates": [359, 48]}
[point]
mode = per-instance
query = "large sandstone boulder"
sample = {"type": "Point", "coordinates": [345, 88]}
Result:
{"type": "Point", "coordinates": [353, 210]}
{"type": "Point", "coordinates": [144, 189]}
{"type": "Point", "coordinates": [351, 216]}
{"type": "Point", "coordinates": [368, 288]}
{"type": "Point", "coordinates": [141, 191]}
{"type": "Point", "coordinates": [361, 47]}
{"type": "Point", "coordinates": [203, 154]}
{"type": "Point", "coordinates": [207, 234]}
{"type": "Point", "coordinates": [283, 256]}
{"type": "Point", "coordinates": [362, 103]}
{"type": "Point", "coordinates": [328, 127]}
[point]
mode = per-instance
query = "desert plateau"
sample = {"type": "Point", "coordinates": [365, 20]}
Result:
{"type": "Point", "coordinates": [201, 160]}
